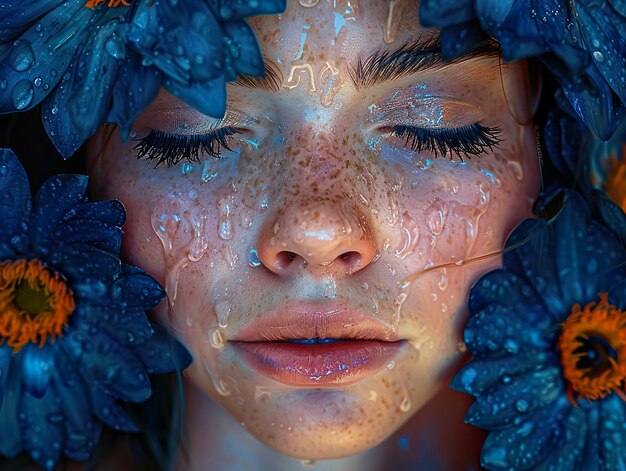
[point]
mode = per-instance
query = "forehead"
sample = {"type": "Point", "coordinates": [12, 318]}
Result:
{"type": "Point", "coordinates": [338, 31]}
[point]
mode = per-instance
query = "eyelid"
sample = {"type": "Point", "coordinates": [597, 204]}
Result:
{"type": "Point", "coordinates": [185, 122]}
{"type": "Point", "coordinates": [424, 111]}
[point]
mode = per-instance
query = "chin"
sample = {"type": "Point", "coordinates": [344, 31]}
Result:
{"type": "Point", "coordinates": [325, 423]}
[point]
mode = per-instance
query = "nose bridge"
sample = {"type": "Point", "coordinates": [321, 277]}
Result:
{"type": "Point", "coordinates": [317, 224]}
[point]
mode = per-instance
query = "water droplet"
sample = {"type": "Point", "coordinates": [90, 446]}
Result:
{"type": "Point", "coordinates": [115, 48]}
{"type": "Point", "coordinates": [22, 56]}
{"type": "Point", "coordinates": [222, 311]}
{"type": "Point", "coordinates": [521, 406]}
{"type": "Point", "coordinates": [410, 236]}
{"type": "Point", "coordinates": [394, 15]}
{"type": "Point", "coordinates": [3, 84]}
{"type": "Point", "coordinates": [598, 56]}
{"type": "Point", "coordinates": [308, 3]}
{"type": "Point", "coordinates": [330, 82]}
{"type": "Point", "coordinates": [225, 224]}
{"type": "Point", "coordinates": [23, 94]}
{"type": "Point", "coordinates": [216, 339]}
{"type": "Point", "coordinates": [253, 258]}
{"type": "Point", "coordinates": [391, 365]}
{"type": "Point", "coordinates": [38, 81]}
{"type": "Point", "coordinates": [307, 463]}
{"type": "Point", "coordinates": [54, 110]}
{"type": "Point", "coordinates": [405, 405]}
{"type": "Point", "coordinates": [436, 215]}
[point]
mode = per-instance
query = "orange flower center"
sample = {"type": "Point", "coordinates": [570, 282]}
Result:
{"type": "Point", "coordinates": [593, 349]}
{"type": "Point", "coordinates": [112, 3]}
{"type": "Point", "coordinates": [34, 304]}
{"type": "Point", "coordinates": [616, 180]}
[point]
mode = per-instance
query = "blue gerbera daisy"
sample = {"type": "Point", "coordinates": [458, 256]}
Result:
{"type": "Point", "coordinates": [548, 336]}
{"type": "Point", "coordinates": [93, 61]}
{"type": "Point", "coordinates": [75, 342]}
{"type": "Point", "coordinates": [581, 42]}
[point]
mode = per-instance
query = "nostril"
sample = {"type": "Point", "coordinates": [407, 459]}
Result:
{"type": "Point", "coordinates": [284, 259]}
{"type": "Point", "coordinates": [352, 258]}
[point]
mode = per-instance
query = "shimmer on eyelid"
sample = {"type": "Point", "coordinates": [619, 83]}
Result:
{"type": "Point", "coordinates": [425, 111]}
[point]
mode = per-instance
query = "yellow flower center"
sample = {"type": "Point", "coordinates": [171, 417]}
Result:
{"type": "Point", "coordinates": [593, 349]}
{"type": "Point", "coordinates": [616, 180]}
{"type": "Point", "coordinates": [34, 304]}
{"type": "Point", "coordinates": [112, 3]}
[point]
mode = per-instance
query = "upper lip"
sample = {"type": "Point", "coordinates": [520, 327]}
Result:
{"type": "Point", "coordinates": [301, 320]}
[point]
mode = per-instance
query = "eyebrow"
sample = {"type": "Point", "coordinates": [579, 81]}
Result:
{"type": "Point", "coordinates": [270, 80]}
{"type": "Point", "coordinates": [412, 57]}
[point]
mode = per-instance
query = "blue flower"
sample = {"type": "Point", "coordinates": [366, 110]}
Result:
{"type": "Point", "coordinates": [75, 342]}
{"type": "Point", "coordinates": [548, 336]}
{"type": "Point", "coordinates": [91, 64]}
{"type": "Point", "coordinates": [581, 42]}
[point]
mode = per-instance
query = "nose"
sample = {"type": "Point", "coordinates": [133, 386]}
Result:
{"type": "Point", "coordinates": [320, 237]}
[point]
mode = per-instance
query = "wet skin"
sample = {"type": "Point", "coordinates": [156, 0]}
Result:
{"type": "Point", "coordinates": [319, 202]}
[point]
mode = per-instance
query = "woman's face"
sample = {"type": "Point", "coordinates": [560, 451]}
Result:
{"type": "Point", "coordinates": [333, 193]}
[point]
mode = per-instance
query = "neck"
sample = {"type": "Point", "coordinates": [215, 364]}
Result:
{"type": "Point", "coordinates": [424, 442]}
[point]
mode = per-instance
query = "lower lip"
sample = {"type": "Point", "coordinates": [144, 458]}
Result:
{"type": "Point", "coordinates": [331, 364]}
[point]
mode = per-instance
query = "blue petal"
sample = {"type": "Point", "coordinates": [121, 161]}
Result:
{"type": "Point", "coordinates": [6, 357]}
{"type": "Point", "coordinates": [91, 88]}
{"type": "Point", "coordinates": [110, 411]}
{"type": "Point", "coordinates": [611, 435]}
{"type": "Point", "coordinates": [56, 118]}
{"type": "Point", "coordinates": [81, 262]}
{"type": "Point", "coordinates": [243, 47]}
{"type": "Point", "coordinates": [162, 353]}
{"type": "Point", "coordinates": [479, 375]}
{"type": "Point", "coordinates": [51, 204]}
{"type": "Point", "coordinates": [137, 289]}
{"type": "Point", "coordinates": [612, 214]}
{"type": "Point", "coordinates": [110, 212]}
{"type": "Point", "coordinates": [508, 403]}
{"type": "Point", "coordinates": [518, 34]}
{"type": "Point", "coordinates": [497, 332]}
{"type": "Point", "coordinates": [11, 443]}
{"type": "Point", "coordinates": [595, 104]}
{"type": "Point", "coordinates": [35, 63]}
{"type": "Point", "coordinates": [17, 13]}
{"type": "Point", "coordinates": [505, 288]}
{"type": "Point", "coordinates": [41, 420]}
{"type": "Point", "coordinates": [240, 9]}
{"type": "Point", "coordinates": [573, 446]}
{"type": "Point", "coordinates": [562, 137]}
{"type": "Point", "coordinates": [95, 233]}
{"type": "Point", "coordinates": [81, 431]}
{"type": "Point", "coordinates": [461, 38]}
{"type": "Point", "coordinates": [15, 204]}
{"type": "Point", "coordinates": [115, 367]}
{"type": "Point", "coordinates": [135, 88]}
{"type": "Point", "coordinates": [127, 326]}
{"type": "Point", "coordinates": [207, 97]}
{"type": "Point", "coordinates": [579, 264]}
{"type": "Point", "coordinates": [37, 368]}
{"type": "Point", "coordinates": [605, 43]}
{"type": "Point", "coordinates": [186, 50]}
{"type": "Point", "coordinates": [492, 13]}
{"type": "Point", "coordinates": [524, 446]}
{"type": "Point", "coordinates": [440, 13]}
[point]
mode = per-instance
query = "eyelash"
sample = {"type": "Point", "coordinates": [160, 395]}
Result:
{"type": "Point", "coordinates": [170, 149]}
{"type": "Point", "coordinates": [466, 141]}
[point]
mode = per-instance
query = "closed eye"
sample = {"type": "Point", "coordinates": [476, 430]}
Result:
{"type": "Point", "coordinates": [170, 149]}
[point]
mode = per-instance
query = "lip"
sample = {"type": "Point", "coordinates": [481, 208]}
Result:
{"type": "Point", "coordinates": [367, 345]}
